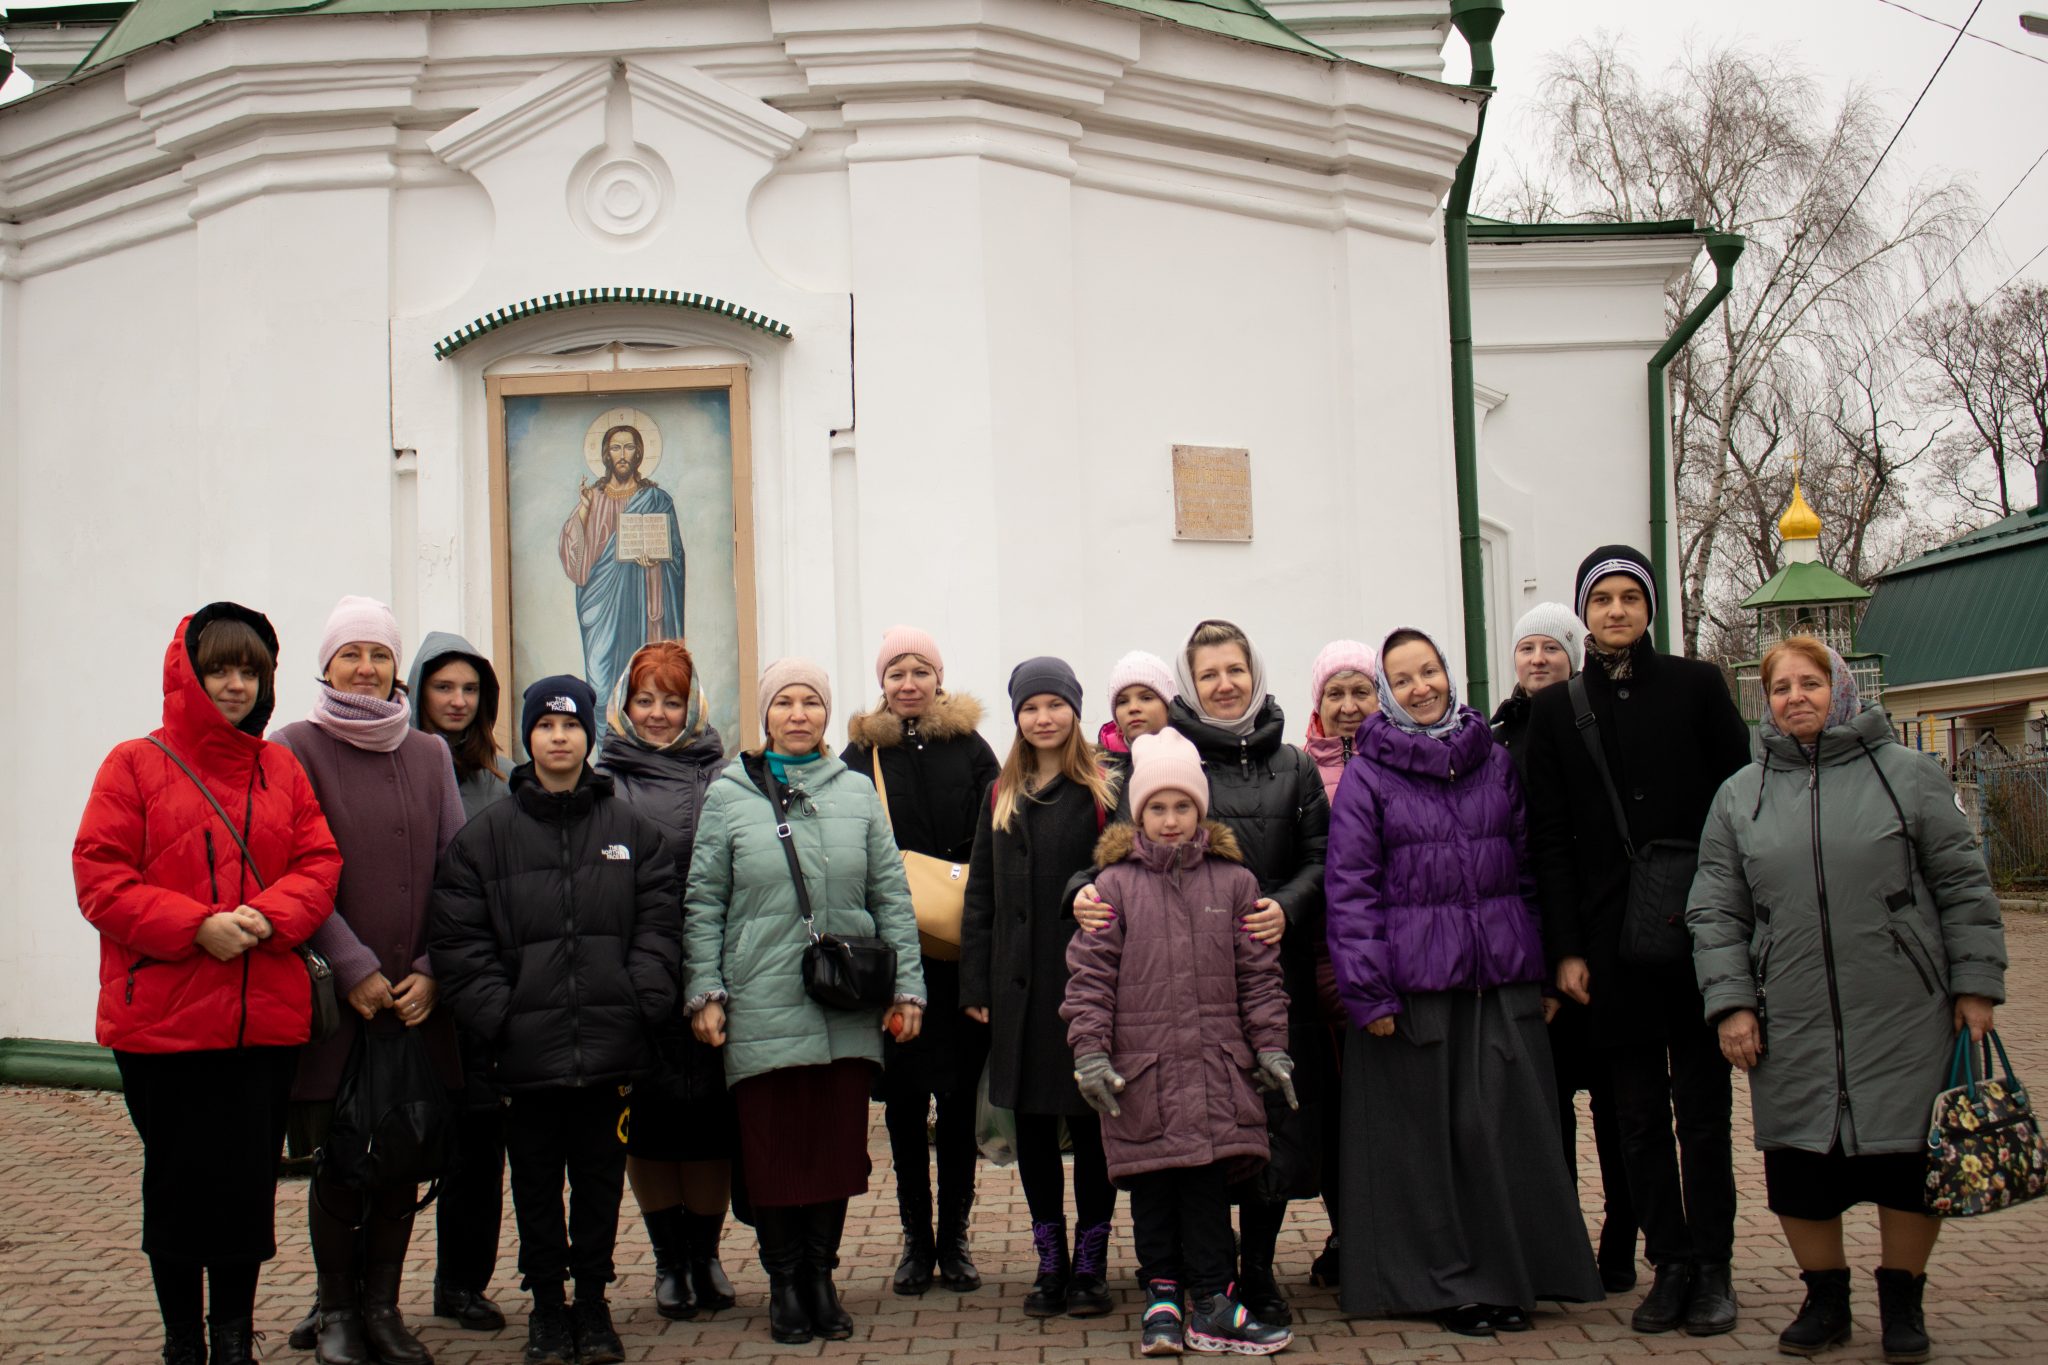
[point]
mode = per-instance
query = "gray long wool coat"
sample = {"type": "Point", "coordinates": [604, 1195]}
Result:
{"type": "Point", "coordinates": [1850, 923]}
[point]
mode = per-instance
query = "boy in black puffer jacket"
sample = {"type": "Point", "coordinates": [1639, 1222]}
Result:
{"type": "Point", "coordinates": [557, 936]}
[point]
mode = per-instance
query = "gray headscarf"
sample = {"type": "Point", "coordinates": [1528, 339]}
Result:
{"type": "Point", "coordinates": [1397, 715]}
{"type": "Point", "coordinates": [1241, 725]}
{"type": "Point", "coordinates": [1845, 703]}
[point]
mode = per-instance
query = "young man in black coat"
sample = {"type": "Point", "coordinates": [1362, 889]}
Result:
{"type": "Point", "coordinates": [557, 937]}
{"type": "Point", "coordinates": [1670, 735]}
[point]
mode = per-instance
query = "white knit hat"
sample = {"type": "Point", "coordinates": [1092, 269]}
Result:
{"type": "Point", "coordinates": [1557, 621]}
{"type": "Point", "coordinates": [1143, 670]}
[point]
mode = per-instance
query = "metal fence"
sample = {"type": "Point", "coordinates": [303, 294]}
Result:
{"type": "Point", "coordinates": [2011, 807]}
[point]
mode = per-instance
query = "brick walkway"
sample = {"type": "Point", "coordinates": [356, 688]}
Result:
{"type": "Point", "coordinates": [73, 1287]}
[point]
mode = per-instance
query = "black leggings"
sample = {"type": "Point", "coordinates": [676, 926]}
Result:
{"type": "Point", "coordinates": [909, 1150]}
{"type": "Point", "coordinates": [1045, 1183]}
{"type": "Point", "coordinates": [179, 1293]}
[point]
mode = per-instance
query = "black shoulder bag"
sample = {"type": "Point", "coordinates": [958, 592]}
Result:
{"type": "Point", "coordinates": [1660, 872]}
{"type": "Point", "coordinates": [841, 971]}
{"type": "Point", "coordinates": [319, 971]}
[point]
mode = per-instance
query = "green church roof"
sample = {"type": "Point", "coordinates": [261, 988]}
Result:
{"type": "Point", "coordinates": [154, 21]}
{"type": "Point", "coordinates": [1797, 584]}
{"type": "Point", "coordinates": [1970, 609]}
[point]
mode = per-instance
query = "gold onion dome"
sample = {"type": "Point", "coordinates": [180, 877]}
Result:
{"type": "Point", "coordinates": [1800, 521]}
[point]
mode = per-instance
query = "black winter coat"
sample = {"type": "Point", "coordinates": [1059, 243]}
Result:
{"type": "Point", "coordinates": [667, 786]}
{"type": "Point", "coordinates": [1511, 730]}
{"type": "Point", "coordinates": [937, 770]}
{"type": "Point", "coordinates": [556, 934]}
{"type": "Point", "coordinates": [1013, 951]}
{"type": "Point", "coordinates": [1671, 736]}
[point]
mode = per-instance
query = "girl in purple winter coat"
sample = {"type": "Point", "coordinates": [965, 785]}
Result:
{"type": "Point", "coordinates": [1453, 1202]}
{"type": "Point", "coordinates": [1177, 1016]}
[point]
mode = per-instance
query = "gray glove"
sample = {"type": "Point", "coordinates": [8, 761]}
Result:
{"type": "Point", "coordinates": [1098, 1082]}
{"type": "Point", "coordinates": [1276, 1072]}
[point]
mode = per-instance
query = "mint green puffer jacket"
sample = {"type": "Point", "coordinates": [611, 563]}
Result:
{"type": "Point", "coordinates": [741, 932]}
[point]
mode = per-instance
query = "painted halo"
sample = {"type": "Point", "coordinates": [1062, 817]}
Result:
{"type": "Point", "coordinates": [650, 437]}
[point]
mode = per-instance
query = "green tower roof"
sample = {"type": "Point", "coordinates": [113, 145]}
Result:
{"type": "Point", "coordinates": [1799, 584]}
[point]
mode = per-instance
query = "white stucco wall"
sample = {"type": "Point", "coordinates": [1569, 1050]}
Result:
{"type": "Point", "coordinates": [229, 259]}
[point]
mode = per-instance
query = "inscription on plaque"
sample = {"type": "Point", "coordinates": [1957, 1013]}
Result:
{"type": "Point", "coordinates": [1212, 493]}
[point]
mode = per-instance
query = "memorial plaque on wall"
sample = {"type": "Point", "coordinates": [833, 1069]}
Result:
{"type": "Point", "coordinates": [1212, 493]}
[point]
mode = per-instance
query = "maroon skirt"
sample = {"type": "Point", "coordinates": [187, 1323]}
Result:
{"type": "Point", "coordinates": [804, 1132]}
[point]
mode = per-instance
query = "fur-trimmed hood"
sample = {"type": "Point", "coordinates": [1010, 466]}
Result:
{"type": "Point", "coordinates": [953, 714]}
{"type": "Point", "coordinates": [1120, 840]}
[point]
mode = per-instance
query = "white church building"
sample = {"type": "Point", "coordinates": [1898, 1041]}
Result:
{"type": "Point", "coordinates": [1050, 326]}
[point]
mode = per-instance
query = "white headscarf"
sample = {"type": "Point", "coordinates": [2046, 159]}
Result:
{"type": "Point", "coordinates": [1241, 725]}
{"type": "Point", "coordinates": [1445, 725]}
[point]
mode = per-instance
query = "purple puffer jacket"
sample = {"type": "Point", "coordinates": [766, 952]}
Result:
{"type": "Point", "coordinates": [1428, 876]}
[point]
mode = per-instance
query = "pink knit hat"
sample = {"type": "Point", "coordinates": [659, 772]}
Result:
{"type": "Point", "coordinates": [1339, 656]}
{"type": "Point", "coordinates": [1144, 670]}
{"type": "Point", "coordinates": [358, 618]}
{"type": "Point", "coordinates": [898, 641]}
{"type": "Point", "coordinates": [1167, 761]}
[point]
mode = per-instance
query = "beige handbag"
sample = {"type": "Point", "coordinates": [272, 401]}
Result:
{"type": "Point", "coordinates": [938, 889]}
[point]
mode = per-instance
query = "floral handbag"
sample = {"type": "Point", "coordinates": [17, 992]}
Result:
{"type": "Point", "coordinates": [1984, 1145]}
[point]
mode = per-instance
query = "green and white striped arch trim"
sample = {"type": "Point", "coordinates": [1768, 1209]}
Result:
{"type": "Point", "coordinates": [590, 298]}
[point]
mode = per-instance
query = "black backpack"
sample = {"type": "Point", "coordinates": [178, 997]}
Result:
{"type": "Point", "coordinates": [394, 1122]}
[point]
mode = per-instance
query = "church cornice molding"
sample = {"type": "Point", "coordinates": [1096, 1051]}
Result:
{"type": "Point", "coordinates": [607, 296]}
{"type": "Point", "coordinates": [1575, 263]}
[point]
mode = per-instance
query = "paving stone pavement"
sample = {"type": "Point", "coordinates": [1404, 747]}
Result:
{"type": "Point", "coordinates": [74, 1288]}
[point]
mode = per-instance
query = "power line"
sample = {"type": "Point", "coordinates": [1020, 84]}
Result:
{"type": "Point", "coordinates": [2022, 270]}
{"type": "Point", "coordinates": [1977, 37]}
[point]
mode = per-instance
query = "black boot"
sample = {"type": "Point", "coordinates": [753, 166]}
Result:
{"type": "Point", "coordinates": [708, 1281]}
{"type": "Point", "coordinates": [1617, 1256]}
{"type": "Point", "coordinates": [467, 1308]}
{"type": "Point", "coordinates": [234, 1341]}
{"type": "Point", "coordinates": [1088, 1294]}
{"type": "Point", "coordinates": [340, 1340]}
{"type": "Point", "coordinates": [824, 1225]}
{"type": "Point", "coordinates": [1048, 1296]}
{"type": "Point", "coordinates": [1326, 1270]}
{"type": "Point", "coordinates": [675, 1298]}
{"type": "Point", "coordinates": [1257, 1289]}
{"type": "Point", "coordinates": [306, 1331]}
{"type": "Point", "coordinates": [590, 1321]}
{"type": "Point", "coordinates": [184, 1346]}
{"type": "Point", "coordinates": [1663, 1308]}
{"type": "Point", "coordinates": [1710, 1309]}
{"type": "Point", "coordinates": [550, 1334]}
{"type": "Point", "coordinates": [1823, 1319]}
{"type": "Point", "coordinates": [957, 1270]}
{"type": "Point", "coordinates": [920, 1251]}
{"type": "Point", "coordinates": [782, 1257]}
{"type": "Point", "coordinates": [1905, 1325]}
{"type": "Point", "coordinates": [384, 1242]}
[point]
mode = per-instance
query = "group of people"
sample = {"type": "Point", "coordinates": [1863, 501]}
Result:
{"type": "Point", "coordinates": [1223, 970]}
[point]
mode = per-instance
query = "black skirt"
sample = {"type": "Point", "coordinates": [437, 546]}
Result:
{"type": "Point", "coordinates": [212, 1126]}
{"type": "Point", "coordinates": [1818, 1188]}
{"type": "Point", "coordinates": [948, 1053]}
{"type": "Point", "coordinates": [804, 1133]}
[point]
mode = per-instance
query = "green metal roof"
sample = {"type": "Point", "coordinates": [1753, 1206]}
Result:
{"type": "Point", "coordinates": [1971, 608]}
{"type": "Point", "coordinates": [1796, 584]}
{"type": "Point", "coordinates": [155, 21]}
{"type": "Point", "coordinates": [1495, 230]}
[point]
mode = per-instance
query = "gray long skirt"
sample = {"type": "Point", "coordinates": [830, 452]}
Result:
{"type": "Point", "coordinates": [1454, 1188]}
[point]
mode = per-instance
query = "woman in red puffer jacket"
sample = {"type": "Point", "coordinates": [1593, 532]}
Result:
{"type": "Point", "coordinates": [201, 996]}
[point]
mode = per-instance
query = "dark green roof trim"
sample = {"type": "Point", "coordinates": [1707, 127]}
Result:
{"type": "Point", "coordinates": [55, 16]}
{"type": "Point", "coordinates": [1245, 20]}
{"type": "Point", "coordinates": [1801, 583]}
{"type": "Point", "coordinates": [591, 298]}
{"type": "Point", "coordinates": [1494, 230]}
{"type": "Point", "coordinates": [42, 1061]}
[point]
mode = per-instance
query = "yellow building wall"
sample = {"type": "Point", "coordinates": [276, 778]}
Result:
{"type": "Point", "coordinates": [1913, 710]}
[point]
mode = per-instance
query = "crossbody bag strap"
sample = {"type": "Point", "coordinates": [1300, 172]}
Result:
{"type": "Point", "coordinates": [758, 769]}
{"type": "Point", "coordinates": [1589, 731]}
{"type": "Point", "coordinates": [218, 809]}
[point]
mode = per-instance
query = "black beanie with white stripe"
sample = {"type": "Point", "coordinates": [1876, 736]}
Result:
{"type": "Point", "coordinates": [1609, 560]}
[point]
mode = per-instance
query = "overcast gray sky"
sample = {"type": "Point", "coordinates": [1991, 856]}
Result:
{"type": "Point", "coordinates": [1987, 114]}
